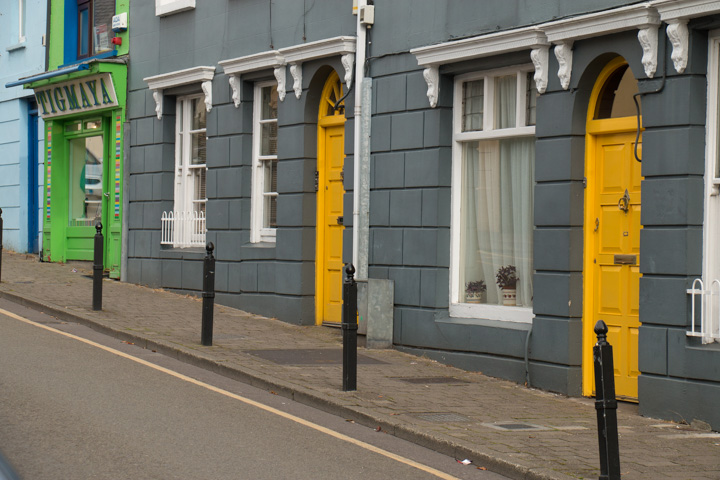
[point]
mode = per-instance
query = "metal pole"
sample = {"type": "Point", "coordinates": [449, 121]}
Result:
{"type": "Point", "coordinates": [606, 405]}
{"type": "Point", "coordinates": [98, 267]}
{"type": "Point", "coordinates": [208, 296]}
{"type": "Point", "coordinates": [349, 329]}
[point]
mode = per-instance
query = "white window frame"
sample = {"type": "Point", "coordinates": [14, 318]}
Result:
{"type": "Point", "coordinates": [185, 200]}
{"type": "Point", "coordinates": [168, 7]}
{"type": "Point", "coordinates": [22, 14]}
{"type": "Point", "coordinates": [258, 232]}
{"type": "Point", "coordinates": [706, 324]}
{"type": "Point", "coordinates": [482, 311]}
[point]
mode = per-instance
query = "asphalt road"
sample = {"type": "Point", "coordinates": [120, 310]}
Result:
{"type": "Point", "coordinates": [75, 404]}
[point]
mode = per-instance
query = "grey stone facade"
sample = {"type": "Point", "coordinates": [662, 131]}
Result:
{"type": "Point", "coordinates": [410, 185]}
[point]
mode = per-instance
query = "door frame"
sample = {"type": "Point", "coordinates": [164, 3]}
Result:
{"type": "Point", "coordinates": [324, 122]}
{"type": "Point", "coordinates": [594, 129]}
{"type": "Point", "coordinates": [108, 165]}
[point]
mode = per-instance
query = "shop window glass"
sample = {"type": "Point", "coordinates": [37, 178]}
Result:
{"type": "Point", "coordinates": [86, 180]}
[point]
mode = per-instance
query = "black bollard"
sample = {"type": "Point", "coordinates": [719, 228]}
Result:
{"type": "Point", "coordinates": [98, 267]}
{"type": "Point", "coordinates": [606, 405]}
{"type": "Point", "coordinates": [349, 329]}
{"type": "Point", "coordinates": [1, 242]}
{"type": "Point", "coordinates": [208, 296]}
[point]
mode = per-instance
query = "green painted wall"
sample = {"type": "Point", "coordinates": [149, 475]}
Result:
{"type": "Point", "coordinates": [62, 242]}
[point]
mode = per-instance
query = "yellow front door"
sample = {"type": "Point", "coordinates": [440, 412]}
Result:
{"type": "Point", "coordinates": [612, 227]}
{"type": "Point", "coordinates": [616, 253]}
{"type": "Point", "coordinates": [330, 220]}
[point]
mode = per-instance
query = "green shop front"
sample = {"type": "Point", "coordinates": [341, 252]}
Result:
{"type": "Point", "coordinates": [84, 112]}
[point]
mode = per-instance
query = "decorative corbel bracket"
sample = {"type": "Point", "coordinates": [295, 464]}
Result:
{"type": "Point", "coordinates": [207, 90]}
{"type": "Point", "coordinates": [648, 37]}
{"type": "Point", "coordinates": [564, 54]}
{"type": "Point", "coordinates": [347, 62]}
{"type": "Point", "coordinates": [235, 85]}
{"type": "Point", "coordinates": [190, 76]}
{"type": "Point", "coordinates": [677, 32]}
{"type": "Point", "coordinates": [296, 72]}
{"type": "Point", "coordinates": [432, 77]}
{"type": "Point", "coordinates": [279, 73]}
{"type": "Point", "coordinates": [540, 59]}
{"type": "Point", "coordinates": [158, 97]}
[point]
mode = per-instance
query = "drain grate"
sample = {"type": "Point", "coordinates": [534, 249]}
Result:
{"type": "Point", "coordinates": [515, 427]}
{"type": "Point", "coordinates": [309, 356]}
{"type": "Point", "coordinates": [432, 380]}
{"type": "Point", "coordinates": [443, 417]}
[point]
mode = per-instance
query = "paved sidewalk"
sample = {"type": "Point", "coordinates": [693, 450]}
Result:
{"type": "Point", "coordinates": [549, 436]}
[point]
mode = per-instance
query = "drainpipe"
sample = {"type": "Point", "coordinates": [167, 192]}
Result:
{"type": "Point", "coordinates": [361, 154]}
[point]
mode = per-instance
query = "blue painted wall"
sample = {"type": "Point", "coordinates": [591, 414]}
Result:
{"type": "Point", "coordinates": [20, 59]}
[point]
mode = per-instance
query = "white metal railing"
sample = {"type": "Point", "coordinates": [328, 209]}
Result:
{"type": "Point", "coordinates": [709, 310]}
{"type": "Point", "coordinates": [183, 229]}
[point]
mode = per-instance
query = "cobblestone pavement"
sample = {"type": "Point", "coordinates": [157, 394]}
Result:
{"type": "Point", "coordinates": [396, 391]}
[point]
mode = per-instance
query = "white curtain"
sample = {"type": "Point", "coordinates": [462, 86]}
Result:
{"type": "Point", "coordinates": [497, 214]}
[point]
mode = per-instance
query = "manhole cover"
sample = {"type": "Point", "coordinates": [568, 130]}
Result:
{"type": "Point", "coordinates": [432, 380]}
{"type": "Point", "coordinates": [515, 427]}
{"type": "Point", "coordinates": [443, 417]}
{"type": "Point", "coordinates": [308, 356]}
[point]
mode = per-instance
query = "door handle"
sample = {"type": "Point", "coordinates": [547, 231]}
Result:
{"type": "Point", "coordinates": [107, 195]}
{"type": "Point", "coordinates": [624, 202]}
{"type": "Point", "coordinates": [339, 220]}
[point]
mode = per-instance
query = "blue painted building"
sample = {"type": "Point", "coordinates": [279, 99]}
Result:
{"type": "Point", "coordinates": [23, 27]}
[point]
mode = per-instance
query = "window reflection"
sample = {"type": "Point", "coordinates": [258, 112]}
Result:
{"type": "Point", "coordinates": [86, 180]}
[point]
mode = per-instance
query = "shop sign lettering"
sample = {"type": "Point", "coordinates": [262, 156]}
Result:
{"type": "Point", "coordinates": [79, 95]}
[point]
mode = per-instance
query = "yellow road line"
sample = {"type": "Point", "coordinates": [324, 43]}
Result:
{"type": "Point", "coordinates": [248, 401]}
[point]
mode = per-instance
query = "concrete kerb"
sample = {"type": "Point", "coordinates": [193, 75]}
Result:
{"type": "Point", "coordinates": [301, 395]}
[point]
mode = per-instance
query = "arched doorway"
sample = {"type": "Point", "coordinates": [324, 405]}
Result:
{"type": "Point", "coordinates": [330, 191]}
{"type": "Point", "coordinates": [612, 226]}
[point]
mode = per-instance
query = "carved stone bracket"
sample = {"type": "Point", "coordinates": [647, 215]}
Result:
{"type": "Point", "coordinates": [158, 97]}
{"type": "Point", "coordinates": [564, 55]}
{"type": "Point", "coordinates": [648, 37]}
{"type": "Point", "coordinates": [296, 72]}
{"type": "Point", "coordinates": [677, 32]}
{"type": "Point", "coordinates": [432, 77]}
{"type": "Point", "coordinates": [207, 90]}
{"type": "Point", "coordinates": [347, 62]}
{"type": "Point", "coordinates": [540, 58]}
{"type": "Point", "coordinates": [235, 85]}
{"type": "Point", "coordinates": [279, 73]}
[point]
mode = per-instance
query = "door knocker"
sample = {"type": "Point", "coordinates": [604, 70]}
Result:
{"type": "Point", "coordinates": [624, 202]}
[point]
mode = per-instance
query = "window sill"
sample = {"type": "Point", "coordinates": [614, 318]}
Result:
{"type": "Point", "coordinates": [164, 8]}
{"type": "Point", "coordinates": [492, 312]}
{"type": "Point", "coordinates": [483, 322]}
{"type": "Point", "coordinates": [17, 46]}
{"type": "Point", "coordinates": [189, 253]}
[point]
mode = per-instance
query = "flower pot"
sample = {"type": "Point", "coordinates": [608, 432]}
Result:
{"type": "Point", "coordinates": [509, 296]}
{"type": "Point", "coordinates": [476, 297]}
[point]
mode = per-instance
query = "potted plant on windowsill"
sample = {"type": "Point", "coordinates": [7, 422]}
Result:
{"type": "Point", "coordinates": [476, 292]}
{"type": "Point", "coordinates": [506, 278]}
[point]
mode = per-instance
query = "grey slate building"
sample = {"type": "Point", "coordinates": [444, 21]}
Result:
{"type": "Point", "coordinates": [492, 168]}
